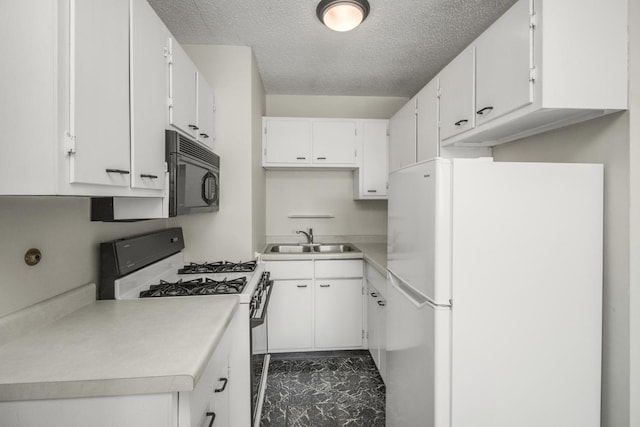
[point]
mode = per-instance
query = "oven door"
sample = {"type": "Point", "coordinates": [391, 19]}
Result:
{"type": "Point", "coordinates": [259, 349]}
{"type": "Point", "coordinates": [195, 187]}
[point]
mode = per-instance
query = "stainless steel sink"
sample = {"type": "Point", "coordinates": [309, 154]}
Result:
{"type": "Point", "coordinates": [288, 249]}
{"type": "Point", "coordinates": [334, 248]}
{"type": "Point", "coordinates": [313, 248]}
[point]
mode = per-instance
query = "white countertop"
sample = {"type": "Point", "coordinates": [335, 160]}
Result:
{"type": "Point", "coordinates": [117, 347]}
{"type": "Point", "coordinates": [376, 255]}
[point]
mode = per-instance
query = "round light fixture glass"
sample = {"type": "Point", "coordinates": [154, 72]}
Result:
{"type": "Point", "coordinates": [342, 15]}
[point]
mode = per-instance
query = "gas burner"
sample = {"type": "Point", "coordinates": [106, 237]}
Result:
{"type": "Point", "coordinates": [195, 287]}
{"type": "Point", "coordinates": [218, 267]}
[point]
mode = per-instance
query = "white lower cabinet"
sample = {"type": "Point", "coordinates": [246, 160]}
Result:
{"type": "Point", "coordinates": [338, 307]}
{"type": "Point", "coordinates": [376, 320]}
{"type": "Point", "coordinates": [316, 305]}
{"type": "Point", "coordinates": [291, 315]}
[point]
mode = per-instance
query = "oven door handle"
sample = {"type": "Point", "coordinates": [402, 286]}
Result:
{"type": "Point", "coordinates": [257, 321]}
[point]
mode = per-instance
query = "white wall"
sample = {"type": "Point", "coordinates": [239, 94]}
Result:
{"type": "Point", "coordinates": [604, 140]}
{"type": "Point", "coordinates": [324, 192]}
{"type": "Point", "coordinates": [634, 159]}
{"type": "Point", "coordinates": [228, 234]}
{"type": "Point", "coordinates": [258, 174]}
{"type": "Point", "coordinates": [69, 242]}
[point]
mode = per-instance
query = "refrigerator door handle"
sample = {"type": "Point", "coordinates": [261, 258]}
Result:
{"type": "Point", "coordinates": [416, 297]}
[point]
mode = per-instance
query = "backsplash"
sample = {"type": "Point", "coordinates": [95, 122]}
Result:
{"type": "Point", "coordinates": [60, 228]}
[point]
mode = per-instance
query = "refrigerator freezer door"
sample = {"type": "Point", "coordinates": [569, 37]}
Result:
{"type": "Point", "coordinates": [419, 224]}
{"type": "Point", "coordinates": [418, 359]}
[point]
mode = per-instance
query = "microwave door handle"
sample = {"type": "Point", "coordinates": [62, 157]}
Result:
{"type": "Point", "coordinates": [205, 189]}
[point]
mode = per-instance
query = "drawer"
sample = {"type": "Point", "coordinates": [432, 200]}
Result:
{"type": "Point", "coordinates": [290, 269]}
{"type": "Point", "coordinates": [338, 268]}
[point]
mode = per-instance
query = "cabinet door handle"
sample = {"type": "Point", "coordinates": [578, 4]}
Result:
{"type": "Point", "coordinates": [194, 127]}
{"type": "Point", "coordinates": [382, 303]}
{"type": "Point", "coordinates": [204, 135]}
{"type": "Point", "coordinates": [483, 110]}
{"type": "Point", "coordinates": [321, 158]}
{"type": "Point", "coordinates": [302, 286]}
{"type": "Point", "coordinates": [373, 294]}
{"type": "Point", "coordinates": [224, 385]}
{"type": "Point", "coordinates": [461, 122]}
{"type": "Point", "coordinates": [213, 417]}
{"type": "Point", "coordinates": [120, 171]}
{"type": "Point", "coordinates": [324, 286]}
{"type": "Point", "coordinates": [301, 158]}
{"type": "Point", "coordinates": [372, 191]}
{"type": "Point", "coordinates": [146, 175]}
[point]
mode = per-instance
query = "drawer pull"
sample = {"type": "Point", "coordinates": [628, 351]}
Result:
{"type": "Point", "coordinates": [483, 110]}
{"type": "Point", "coordinates": [120, 171]}
{"type": "Point", "coordinates": [194, 127]}
{"type": "Point", "coordinates": [146, 175]}
{"type": "Point", "coordinates": [321, 158]}
{"type": "Point", "coordinates": [382, 303]}
{"type": "Point", "coordinates": [373, 294]}
{"type": "Point", "coordinates": [372, 191]}
{"type": "Point", "coordinates": [204, 135]}
{"type": "Point", "coordinates": [324, 286]}
{"type": "Point", "coordinates": [301, 158]}
{"type": "Point", "coordinates": [224, 385]}
{"type": "Point", "coordinates": [461, 122]}
{"type": "Point", "coordinates": [213, 417]}
{"type": "Point", "coordinates": [302, 286]}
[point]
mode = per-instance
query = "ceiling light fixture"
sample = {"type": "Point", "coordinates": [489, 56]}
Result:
{"type": "Point", "coordinates": [342, 15]}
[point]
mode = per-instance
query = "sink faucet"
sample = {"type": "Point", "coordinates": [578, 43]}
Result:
{"type": "Point", "coordinates": [308, 235]}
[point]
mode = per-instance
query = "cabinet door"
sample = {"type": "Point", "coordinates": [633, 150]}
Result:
{"type": "Point", "coordinates": [373, 323]}
{"type": "Point", "coordinates": [428, 139]}
{"type": "Point", "coordinates": [334, 142]}
{"type": "Point", "coordinates": [402, 137]}
{"type": "Point", "coordinates": [375, 158]}
{"type": "Point", "coordinates": [338, 318]}
{"type": "Point", "coordinates": [457, 112]}
{"type": "Point", "coordinates": [287, 141]}
{"type": "Point", "coordinates": [149, 49]}
{"type": "Point", "coordinates": [99, 92]}
{"type": "Point", "coordinates": [206, 108]}
{"type": "Point", "coordinates": [503, 62]}
{"type": "Point", "coordinates": [183, 88]}
{"type": "Point", "coordinates": [290, 315]}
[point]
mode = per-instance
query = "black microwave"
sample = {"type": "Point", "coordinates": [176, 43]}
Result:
{"type": "Point", "coordinates": [194, 176]}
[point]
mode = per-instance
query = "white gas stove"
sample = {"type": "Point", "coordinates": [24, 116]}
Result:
{"type": "Point", "coordinates": [152, 266]}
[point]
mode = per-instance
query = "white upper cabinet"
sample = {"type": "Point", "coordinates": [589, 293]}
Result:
{"type": "Point", "coordinates": [206, 108]}
{"type": "Point", "coordinates": [402, 136]}
{"type": "Point", "coordinates": [370, 179]}
{"type": "Point", "coordinates": [99, 91]}
{"type": "Point", "coordinates": [543, 65]}
{"type": "Point", "coordinates": [457, 84]}
{"type": "Point", "coordinates": [71, 95]}
{"type": "Point", "coordinates": [504, 80]}
{"type": "Point", "coordinates": [183, 91]}
{"type": "Point", "coordinates": [149, 51]}
{"type": "Point", "coordinates": [286, 141]}
{"type": "Point", "coordinates": [309, 142]}
{"type": "Point", "coordinates": [427, 134]}
{"type": "Point", "coordinates": [334, 141]}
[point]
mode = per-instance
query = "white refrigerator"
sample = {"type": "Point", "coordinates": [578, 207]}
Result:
{"type": "Point", "coordinates": [495, 297]}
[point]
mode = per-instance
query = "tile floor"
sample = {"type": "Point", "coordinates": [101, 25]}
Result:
{"type": "Point", "coordinates": [323, 389]}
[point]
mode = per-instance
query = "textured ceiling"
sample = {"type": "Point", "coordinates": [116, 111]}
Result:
{"type": "Point", "coordinates": [395, 52]}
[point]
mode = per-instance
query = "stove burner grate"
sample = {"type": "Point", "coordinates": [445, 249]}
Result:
{"type": "Point", "coordinates": [218, 267]}
{"type": "Point", "coordinates": [198, 286]}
